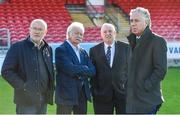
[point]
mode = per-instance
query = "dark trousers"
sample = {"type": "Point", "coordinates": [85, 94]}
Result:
{"type": "Point", "coordinates": [81, 108]}
{"type": "Point", "coordinates": [108, 107]}
{"type": "Point", "coordinates": [31, 109]}
{"type": "Point", "coordinates": [154, 109]}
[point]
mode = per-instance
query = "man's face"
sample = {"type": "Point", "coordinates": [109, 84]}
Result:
{"type": "Point", "coordinates": [137, 23]}
{"type": "Point", "coordinates": [108, 34]}
{"type": "Point", "coordinates": [76, 36]}
{"type": "Point", "coordinates": [37, 32]}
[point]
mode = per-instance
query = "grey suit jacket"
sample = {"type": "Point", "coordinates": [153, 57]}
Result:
{"type": "Point", "coordinates": [148, 66]}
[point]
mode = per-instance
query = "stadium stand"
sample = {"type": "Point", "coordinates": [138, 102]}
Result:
{"type": "Point", "coordinates": [165, 15]}
{"type": "Point", "coordinates": [77, 2]}
{"type": "Point", "coordinates": [16, 16]}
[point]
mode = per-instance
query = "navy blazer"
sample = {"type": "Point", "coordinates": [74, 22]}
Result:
{"type": "Point", "coordinates": [71, 74]}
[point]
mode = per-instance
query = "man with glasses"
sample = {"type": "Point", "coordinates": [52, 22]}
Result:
{"type": "Point", "coordinates": [28, 68]}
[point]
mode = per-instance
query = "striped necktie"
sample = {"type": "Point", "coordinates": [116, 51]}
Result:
{"type": "Point", "coordinates": [108, 55]}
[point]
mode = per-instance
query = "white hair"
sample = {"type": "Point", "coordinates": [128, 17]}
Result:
{"type": "Point", "coordinates": [74, 25]}
{"type": "Point", "coordinates": [41, 21]}
{"type": "Point", "coordinates": [109, 25]}
{"type": "Point", "coordinates": [144, 13]}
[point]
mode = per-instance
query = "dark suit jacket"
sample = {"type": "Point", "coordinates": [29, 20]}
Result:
{"type": "Point", "coordinates": [107, 79]}
{"type": "Point", "coordinates": [20, 67]}
{"type": "Point", "coordinates": [148, 66]}
{"type": "Point", "coordinates": [71, 74]}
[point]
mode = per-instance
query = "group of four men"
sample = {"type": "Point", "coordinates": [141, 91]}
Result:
{"type": "Point", "coordinates": [124, 77]}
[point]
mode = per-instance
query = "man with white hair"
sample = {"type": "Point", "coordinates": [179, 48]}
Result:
{"type": "Point", "coordinates": [74, 67]}
{"type": "Point", "coordinates": [110, 59]}
{"type": "Point", "coordinates": [148, 65]}
{"type": "Point", "coordinates": [28, 68]}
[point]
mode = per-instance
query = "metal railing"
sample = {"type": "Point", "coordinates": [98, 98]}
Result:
{"type": "Point", "coordinates": [110, 14]}
{"type": "Point", "coordinates": [4, 40]}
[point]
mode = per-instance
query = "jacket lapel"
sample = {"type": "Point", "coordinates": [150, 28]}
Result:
{"type": "Point", "coordinates": [103, 55]}
{"type": "Point", "coordinates": [82, 56]}
{"type": "Point", "coordinates": [145, 37]}
{"type": "Point", "coordinates": [115, 54]}
{"type": "Point", "coordinates": [72, 53]}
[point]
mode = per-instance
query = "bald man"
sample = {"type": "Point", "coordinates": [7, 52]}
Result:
{"type": "Point", "coordinates": [28, 68]}
{"type": "Point", "coordinates": [110, 58]}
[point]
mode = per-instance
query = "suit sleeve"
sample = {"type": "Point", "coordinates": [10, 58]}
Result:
{"type": "Point", "coordinates": [10, 68]}
{"type": "Point", "coordinates": [91, 56]}
{"type": "Point", "coordinates": [64, 64]}
{"type": "Point", "coordinates": [160, 64]}
{"type": "Point", "coordinates": [90, 65]}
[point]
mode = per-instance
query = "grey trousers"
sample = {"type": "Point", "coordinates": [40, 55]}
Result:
{"type": "Point", "coordinates": [31, 109]}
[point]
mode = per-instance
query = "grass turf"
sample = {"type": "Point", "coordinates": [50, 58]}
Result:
{"type": "Point", "coordinates": [171, 91]}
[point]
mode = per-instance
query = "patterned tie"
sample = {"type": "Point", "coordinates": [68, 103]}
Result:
{"type": "Point", "coordinates": [108, 55]}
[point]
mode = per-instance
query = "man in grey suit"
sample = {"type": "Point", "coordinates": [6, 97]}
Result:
{"type": "Point", "coordinates": [110, 58]}
{"type": "Point", "coordinates": [148, 65]}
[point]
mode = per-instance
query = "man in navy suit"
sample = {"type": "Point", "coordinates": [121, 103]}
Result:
{"type": "Point", "coordinates": [74, 67]}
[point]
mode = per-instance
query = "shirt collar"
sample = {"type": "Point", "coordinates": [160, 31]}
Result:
{"type": "Point", "coordinates": [138, 37]}
{"type": "Point", "coordinates": [36, 45]}
{"type": "Point", "coordinates": [74, 48]}
{"type": "Point", "coordinates": [106, 45]}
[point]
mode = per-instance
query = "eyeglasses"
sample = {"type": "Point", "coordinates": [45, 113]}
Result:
{"type": "Point", "coordinates": [37, 29]}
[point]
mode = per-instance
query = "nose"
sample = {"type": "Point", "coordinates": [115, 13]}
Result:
{"type": "Point", "coordinates": [132, 23]}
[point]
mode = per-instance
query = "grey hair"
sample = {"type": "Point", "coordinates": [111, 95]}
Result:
{"type": "Point", "coordinates": [144, 13]}
{"type": "Point", "coordinates": [109, 25]}
{"type": "Point", "coordinates": [72, 26]}
{"type": "Point", "coordinates": [39, 20]}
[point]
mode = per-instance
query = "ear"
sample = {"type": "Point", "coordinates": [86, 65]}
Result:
{"type": "Point", "coordinates": [70, 33]}
{"type": "Point", "coordinates": [114, 33]}
{"type": "Point", "coordinates": [45, 32]}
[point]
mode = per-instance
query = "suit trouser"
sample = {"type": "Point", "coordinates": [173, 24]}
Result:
{"type": "Point", "coordinates": [38, 108]}
{"type": "Point", "coordinates": [81, 108]}
{"type": "Point", "coordinates": [154, 109]}
{"type": "Point", "coordinates": [108, 107]}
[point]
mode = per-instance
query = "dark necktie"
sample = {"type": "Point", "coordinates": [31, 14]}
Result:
{"type": "Point", "coordinates": [108, 55]}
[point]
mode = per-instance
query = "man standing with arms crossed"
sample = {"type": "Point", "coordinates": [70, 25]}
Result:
{"type": "Point", "coordinates": [74, 68]}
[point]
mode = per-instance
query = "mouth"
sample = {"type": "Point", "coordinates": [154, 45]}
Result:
{"type": "Point", "coordinates": [134, 28]}
{"type": "Point", "coordinates": [79, 39]}
{"type": "Point", "coordinates": [36, 35]}
{"type": "Point", "coordinates": [108, 36]}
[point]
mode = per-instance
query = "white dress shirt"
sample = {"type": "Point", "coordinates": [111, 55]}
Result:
{"type": "Point", "coordinates": [76, 50]}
